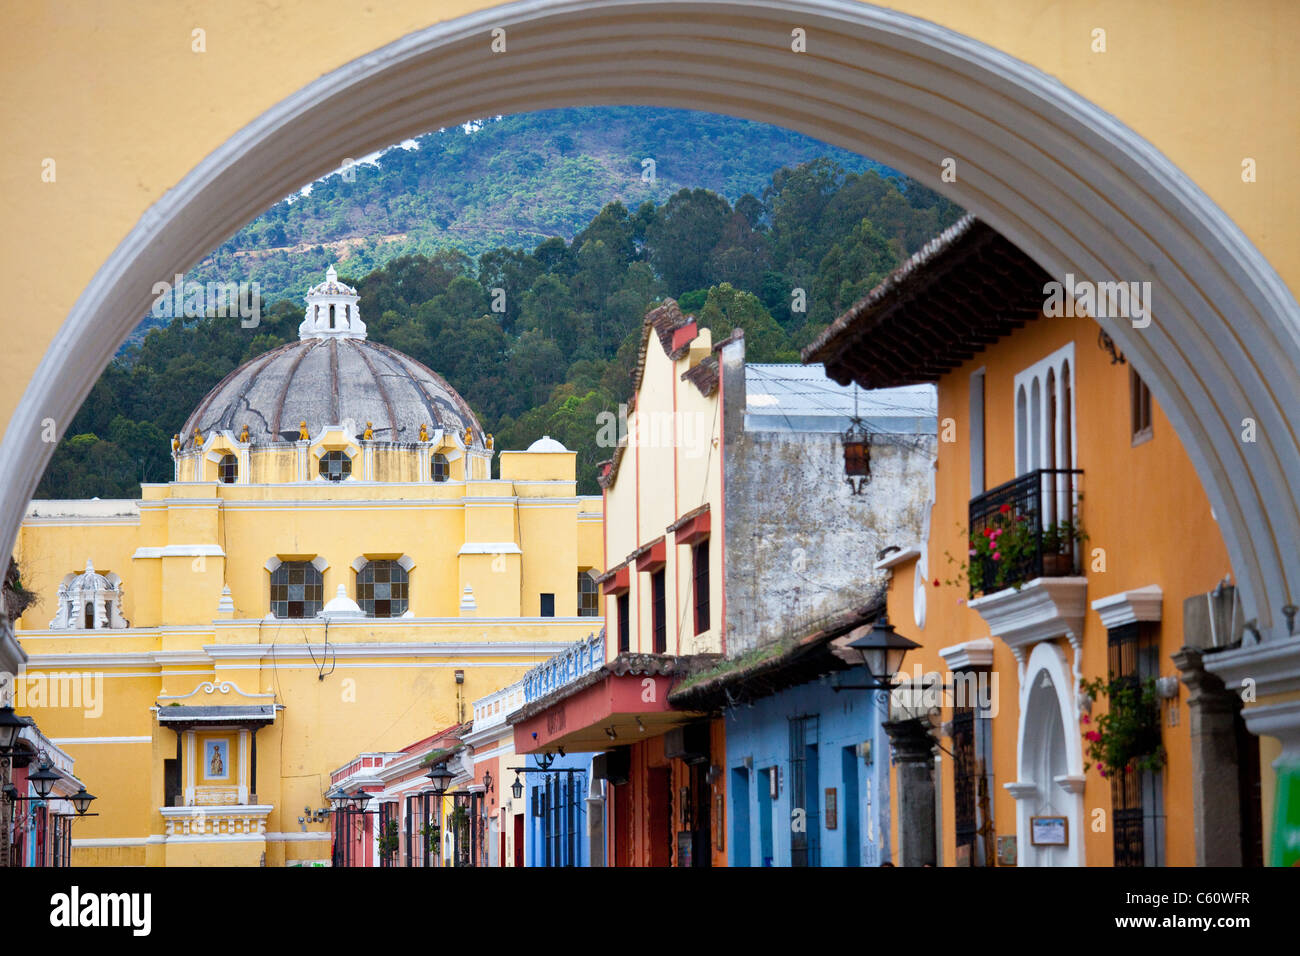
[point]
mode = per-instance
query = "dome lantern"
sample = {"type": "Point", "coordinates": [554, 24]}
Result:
{"type": "Point", "coordinates": [332, 311]}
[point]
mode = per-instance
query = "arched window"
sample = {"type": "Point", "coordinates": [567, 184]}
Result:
{"type": "Point", "coordinates": [228, 469]}
{"type": "Point", "coordinates": [441, 470]}
{"type": "Point", "coordinates": [335, 466]}
{"type": "Point", "coordinates": [382, 589]}
{"type": "Point", "coordinates": [332, 323]}
{"type": "Point", "coordinates": [89, 622]}
{"type": "Point", "coordinates": [296, 590]}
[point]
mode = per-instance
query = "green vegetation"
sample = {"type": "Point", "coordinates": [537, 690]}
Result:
{"type": "Point", "coordinates": [565, 345]}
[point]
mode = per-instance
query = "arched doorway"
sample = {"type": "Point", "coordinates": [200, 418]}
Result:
{"type": "Point", "coordinates": [1049, 764]}
{"type": "Point", "coordinates": [1078, 191]}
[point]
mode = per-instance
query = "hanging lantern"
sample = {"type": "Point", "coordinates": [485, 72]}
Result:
{"type": "Point", "coordinates": [857, 455]}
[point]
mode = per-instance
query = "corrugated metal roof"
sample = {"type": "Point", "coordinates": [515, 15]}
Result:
{"type": "Point", "coordinates": [801, 398]}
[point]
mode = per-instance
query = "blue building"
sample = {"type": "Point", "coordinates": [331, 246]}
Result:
{"type": "Point", "coordinates": [564, 805]}
{"type": "Point", "coordinates": [807, 765]}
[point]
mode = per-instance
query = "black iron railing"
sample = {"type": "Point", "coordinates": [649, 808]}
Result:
{"type": "Point", "coordinates": [1035, 518]}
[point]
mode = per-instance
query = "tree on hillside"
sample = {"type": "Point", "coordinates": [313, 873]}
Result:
{"type": "Point", "coordinates": [683, 236]}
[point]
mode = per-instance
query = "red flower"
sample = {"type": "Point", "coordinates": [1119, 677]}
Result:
{"type": "Point", "coordinates": [1093, 736]}
{"type": "Point", "coordinates": [1005, 509]}
{"type": "Point", "coordinates": [1085, 719]}
{"type": "Point", "coordinates": [936, 582]}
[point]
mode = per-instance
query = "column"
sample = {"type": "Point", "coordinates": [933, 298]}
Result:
{"type": "Point", "coordinates": [913, 749]}
{"type": "Point", "coordinates": [1216, 807]}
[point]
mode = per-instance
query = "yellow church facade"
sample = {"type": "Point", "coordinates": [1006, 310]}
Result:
{"type": "Point", "coordinates": [333, 571]}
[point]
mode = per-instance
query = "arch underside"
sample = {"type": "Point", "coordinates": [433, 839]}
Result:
{"type": "Point", "coordinates": [1075, 189]}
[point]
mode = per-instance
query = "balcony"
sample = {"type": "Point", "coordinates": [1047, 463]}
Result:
{"type": "Point", "coordinates": [578, 660]}
{"type": "Point", "coordinates": [1025, 529]}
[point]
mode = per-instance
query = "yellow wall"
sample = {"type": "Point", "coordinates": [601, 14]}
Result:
{"type": "Point", "coordinates": [1142, 505]}
{"type": "Point", "coordinates": [363, 693]}
{"type": "Point", "coordinates": [78, 94]}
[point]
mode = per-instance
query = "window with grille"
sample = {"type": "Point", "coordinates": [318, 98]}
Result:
{"type": "Point", "coordinates": [335, 466]}
{"type": "Point", "coordinates": [658, 611]}
{"type": "Point", "coordinates": [624, 625]}
{"type": "Point", "coordinates": [1139, 407]}
{"type": "Point", "coordinates": [440, 468]}
{"type": "Point", "coordinates": [700, 556]}
{"type": "Point", "coordinates": [548, 605]}
{"type": "Point", "coordinates": [805, 843]}
{"type": "Point", "coordinates": [1137, 798]}
{"type": "Point", "coordinates": [296, 589]}
{"type": "Point", "coordinates": [588, 605]}
{"type": "Point", "coordinates": [228, 469]}
{"type": "Point", "coordinates": [382, 589]}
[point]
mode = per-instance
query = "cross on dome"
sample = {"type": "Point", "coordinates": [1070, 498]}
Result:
{"type": "Point", "coordinates": [332, 311]}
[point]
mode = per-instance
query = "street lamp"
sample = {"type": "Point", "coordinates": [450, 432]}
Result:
{"type": "Point", "coordinates": [81, 801]}
{"type": "Point", "coordinates": [441, 778]}
{"type": "Point", "coordinates": [43, 780]}
{"type": "Point", "coordinates": [881, 649]}
{"type": "Point", "coordinates": [359, 799]}
{"type": "Point", "coordinates": [517, 788]}
{"type": "Point", "coordinates": [11, 725]}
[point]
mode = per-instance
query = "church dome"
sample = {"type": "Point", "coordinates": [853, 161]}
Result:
{"type": "Point", "coordinates": [333, 376]}
{"type": "Point", "coordinates": [546, 443]}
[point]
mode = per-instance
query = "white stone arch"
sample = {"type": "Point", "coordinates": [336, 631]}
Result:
{"type": "Point", "coordinates": [1065, 181]}
{"type": "Point", "coordinates": [1048, 745]}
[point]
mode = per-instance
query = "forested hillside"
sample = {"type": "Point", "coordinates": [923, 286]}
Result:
{"type": "Point", "coordinates": [507, 181]}
{"type": "Point", "coordinates": [565, 345]}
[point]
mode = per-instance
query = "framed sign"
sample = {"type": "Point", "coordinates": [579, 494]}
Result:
{"type": "Point", "coordinates": [1049, 831]}
{"type": "Point", "coordinates": [216, 759]}
{"type": "Point", "coordinates": [832, 809]}
{"type": "Point", "coordinates": [1006, 851]}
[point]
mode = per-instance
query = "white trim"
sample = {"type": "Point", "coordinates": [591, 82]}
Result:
{"type": "Point", "coordinates": [108, 842]}
{"type": "Point", "coordinates": [1128, 607]}
{"type": "Point", "coordinates": [78, 741]}
{"type": "Point", "coordinates": [311, 836]}
{"type": "Point", "coordinates": [1048, 657]}
{"type": "Point", "coordinates": [180, 551]}
{"type": "Point", "coordinates": [1040, 610]}
{"type": "Point", "coordinates": [1273, 666]}
{"type": "Point", "coordinates": [968, 654]}
{"type": "Point", "coordinates": [489, 547]}
{"type": "Point", "coordinates": [898, 557]}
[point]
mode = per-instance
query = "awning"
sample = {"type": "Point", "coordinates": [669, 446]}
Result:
{"type": "Point", "coordinates": [691, 527]}
{"type": "Point", "coordinates": [616, 581]}
{"type": "Point", "coordinates": [624, 702]}
{"type": "Point", "coordinates": [182, 717]}
{"type": "Point", "coordinates": [653, 556]}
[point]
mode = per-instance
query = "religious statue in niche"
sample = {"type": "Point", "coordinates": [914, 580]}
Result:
{"type": "Point", "coordinates": [216, 759]}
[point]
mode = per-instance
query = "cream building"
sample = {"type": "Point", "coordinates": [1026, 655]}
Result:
{"type": "Point", "coordinates": [333, 571]}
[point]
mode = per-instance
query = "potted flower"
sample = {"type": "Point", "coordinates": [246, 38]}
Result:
{"type": "Point", "coordinates": [388, 839]}
{"type": "Point", "coordinates": [1126, 738]}
{"type": "Point", "coordinates": [1058, 540]}
{"type": "Point", "coordinates": [431, 834]}
{"type": "Point", "coordinates": [1005, 552]}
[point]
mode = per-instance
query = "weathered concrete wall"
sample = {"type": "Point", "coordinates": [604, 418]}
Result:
{"type": "Point", "coordinates": [800, 545]}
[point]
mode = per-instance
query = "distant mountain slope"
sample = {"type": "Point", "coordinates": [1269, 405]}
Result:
{"type": "Point", "coordinates": [511, 181]}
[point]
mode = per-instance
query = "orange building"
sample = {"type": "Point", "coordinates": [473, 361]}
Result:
{"type": "Point", "coordinates": [1071, 560]}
